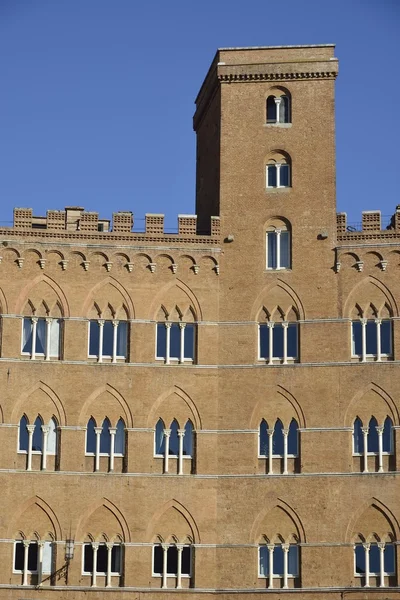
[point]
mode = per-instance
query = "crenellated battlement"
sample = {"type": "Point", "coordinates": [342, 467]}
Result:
{"type": "Point", "coordinates": [75, 221]}
{"type": "Point", "coordinates": [372, 227]}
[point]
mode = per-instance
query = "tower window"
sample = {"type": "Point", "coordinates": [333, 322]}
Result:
{"type": "Point", "coordinates": [278, 109]}
{"type": "Point", "coordinates": [278, 249]}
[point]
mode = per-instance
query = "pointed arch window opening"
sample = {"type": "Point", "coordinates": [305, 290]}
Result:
{"type": "Point", "coordinates": [41, 337]}
{"type": "Point", "coordinates": [108, 339]}
{"type": "Point", "coordinates": [102, 559]}
{"type": "Point", "coordinates": [33, 557]}
{"type": "Point", "coordinates": [278, 562]}
{"type": "Point", "coordinates": [38, 439]}
{"type": "Point", "coordinates": [373, 440]}
{"type": "Point", "coordinates": [278, 342]}
{"type": "Point", "coordinates": [375, 559]}
{"type": "Point", "coordinates": [176, 342]}
{"type": "Point", "coordinates": [173, 442]}
{"type": "Point", "coordinates": [172, 561]}
{"type": "Point", "coordinates": [371, 339]}
{"type": "Point", "coordinates": [278, 443]}
{"type": "Point", "coordinates": [105, 440]}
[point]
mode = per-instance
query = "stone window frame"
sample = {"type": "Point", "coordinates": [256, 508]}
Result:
{"type": "Point", "coordinates": [285, 576]}
{"type": "Point", "coordinates": [181, 433]}
{"type": "Point", "coordinates": [49, 332]}
{"type": "Point", "coordinates": [382, 573]}
{"type": "Point", "coordinates": [108, 573]}
{"type": "Point", "coordinates": [114, 357]}
{"type": "Point", "coordinates": [364, 356]}
{"type": "Point", "coordinates": [181, 359]}
{"type": "Point", "coordinates": [179, 575]}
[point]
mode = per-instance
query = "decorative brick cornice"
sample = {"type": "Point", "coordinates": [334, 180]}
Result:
{"type": "Point", "coordinates": [242, 77]}
{"type": "Point", "coordinates": [292, 71]}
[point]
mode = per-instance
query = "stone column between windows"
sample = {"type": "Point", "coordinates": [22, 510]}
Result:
{"type": "Point", "coordinates": [164, 571]}
{"type": "Point", "coordinates": [181, 435]}
{"type": "Point", "coordinates": [285, 326]}
{"type": "Point", "coordinates": [270, 342]}
{"type": "Point", "coordinates": [285, 548]}
{"type": "Point", "coordinates": [379, 430]}
{"type": "Point", "coordinates": [365, 436]}
{"type": "Point", "coordinates": [270, 450]}
{"type": "Point", "coordinates": [285, 433]}
{"type": "Point", "coordinates": [363, 340]}
{"type": "Point", "coordinates": [277, 103]}
{"type": "Point", "coordinates": [278, 181]}
{"type": "Point", "coordinates": [31, 429]}
{"type": "Point", "coordinates": [48, 337]}
{"type": "Point", "coordinates": [182, 342]}
{"type": "Point", "coordinates": [95, 547]}
{"type": "Point", "coordinates": [381, 546]}
{"type": "Point", "coordinates": [45, 430]}
{"type": "Point", "coordinates": [366, 550]}
{"type": "Point", "coordinates": [167, 435]}
{"type": "Point", "coordinates": [271, 548]}
{"type": "Point", "coordinates": [167, 343]}
{"type": "Point", "coordinates": [115, 337]}
{"type": "Point", "coordinates": [40, 561]}
{"type": "Point", "coordinates": [34, 327]}
{"type": "Point", "coordinates": [113, 431]}
{"type": "Point", "coordinates": [378, 340]}
{"type": "Point", "coordinates": [101, 335]}
{"type": "Point", "coordinates": [97, 431]}
{"type": "Point", "coordinates": [179, 548]}
{"type": "Point", "coordinates": [278, 231]}
{"type": "Point", "coordinates": [25, 571]}
{"type": "Point", "coordinates": [109, 555]}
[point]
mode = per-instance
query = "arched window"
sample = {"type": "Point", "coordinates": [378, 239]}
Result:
{"type": "Point", "coordinates": [188, 439]}
{"type": "Point", "coordinates": [373, 438]}
{"type": "Point", "coordinates": [278, 561]}
{"type": "Point", "coordinates": [278, 109]}
{"type": "Point", "coordinates": [37, 439]}
{"type": "Point", "coordinates": [174, 439]}
{"type": "Point", "coordinates": [278, 338]}
{"type": "Point", "coordinates": [277, 439]}
{"type": "Point", "coordinates": [375, 560]}
{"type": "Point", "coordinates": [175, 342]}
{"type": "Point", "coordinates": [263, 439]}
{"type": "Point", "coordinates": [52, 437]}
{"type": "Point", "coordinates": [105, 437]}
{"type": "Point", "coordinates": [278, 173]}
{"type": "Point", "coordinates": [172, 560]}
{"type": "Point", "coordinates": [371, 334]}
{"type": "Point", "coordinates": [108, 339]}
{"type": "Point", "coordinates": [358, 437]}
{"type": "Point", "coordinates": [91, 436]}
{"type": "Point", "coordinates": [293, 438]}
{"type": "Point", "coordinates": [108, 559]}
{"type": "Point", "coordinates": [119, 447]}
{"type": "Point", "coordinates": [41, 337]}
{"type": "Point", "coordinates": [159, 438]}
{"type": "Point", "coordinates": [388, 436]}
{"type": "Point", "coordinates": [278, 246]}
{"type": "Point", "coordinates": [23, 441]}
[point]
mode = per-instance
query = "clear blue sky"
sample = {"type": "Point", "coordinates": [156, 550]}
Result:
{"type": "Point", "coordinates": [97, 97]}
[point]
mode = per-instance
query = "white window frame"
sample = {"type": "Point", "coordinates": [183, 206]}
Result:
{"type": "Point", "coordinates": [278, 231]}
{"type": "Point", "coordinates": [278, 166]}
{"type": "Point", "coordinates": [21, 571]}
{"type": "Point", "coordinates": [170, 575]}
{"type": "Point", "coordinates": [168, 359]}
{"type": "Point", "coordinates": [379, 355]}
{"type": "Point", "coordinates": [368, 573]}
{"type": "Point", "coordinates": [273, 360]}
{"type": "Point", "coordinates": [274, 576]}
{"type": "Point", "coordinates": [101, 573]}
{"type": "Point", "coordinates": [278, 100]}
{"type": "Point", "coordinates": [47, 355]}
{"type": "Point", "coordinates": [113, 357]}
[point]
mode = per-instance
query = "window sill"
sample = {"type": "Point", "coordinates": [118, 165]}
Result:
{"type": "Point", "coordinates": [185, 456]}
{"type": "Point", "coordinates": [361, 454]}
{"type": "Point", "coordinates": [101, 454]}
{"type": "Point", "coordinates": [277, 190]}
{"type": "Point", "coordinates": [171, 575]}
{"type": "Point", "coordinates": [271, 270]}
{"type": "Point", "coordinates": [279, 125]}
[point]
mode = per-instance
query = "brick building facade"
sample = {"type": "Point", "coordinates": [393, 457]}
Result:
{"type": "Point", "coordinates": [212, 411]}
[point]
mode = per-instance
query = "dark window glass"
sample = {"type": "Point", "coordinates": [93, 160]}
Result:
{"type": "Point", "coordinates": [33, 556]}
{"type": "Point", "coordinates": [108, 334]}
{"type": "Point", "coordinates": [374, 559]}
{"type": "Point", "coordinates": [263, 449]}
{"type": "Point", "coordinates": [373, 438]}
{"type": "Point", "coordinates": [277, 341]}
{"type": "Point", "coordinates": [285, 250]}
{"type": "Point", "coordinates": [189, 341]}
{"type": "Point", "coordinates": [284, 176]}
{"type": "Point", "coordinates": [158, 559]}
{"type": "Point", "coordinates": [264, 560]}
{"type": "Point", "coordinates": [172, 560]}
{"type": "Point", "coordinates": [37, 440]}
{"type": "Point", "coordinates": [23, 434]}
{"type": "Point", "coordinates": [173, 439]}
{"type": "Point", "coordinates": [388, 558]}
{"type": "Point", "coordinates": [27, 336]}
{"type": "Point", "coordinates": [360, 559]}
{"type": "Point", "coordinates": [159, 437]}
{"type": "Point", "coordinates": [278, 560]}
{"type": "Point", "coordinates": [188, 439]}
{"type": "Point", "coordinates": [293, 562]}
{"type": "Point", "coordinates": [277, 439]}
{"type": "Point", "coordinates": [387, 435]}
{"type": "Point", "coordinates": [293, 438]}
{"type": "Point", "coordinates": [122, 338]}
{"type": "Point", "coordinates": [91, 436]}
{"type": "Point", "coordinates": [175, 341]}
{"type": "Point", "coordinates": [19, 556]}
{"type": "Point", "coordinates": [105, 438]}
{"type": "Point", "coordinates": [284, 116]}
{"type": "Point", "coordinates": [88, 558]}
{"type": "Point", "coordinates": [102, 553]}
{"type": "Point", "coordinates": [186, 560]}
{"type": "Point", "coordinates": [271, 240]}
{"type": "Point", "coordinates": [386, 337]}
{"type": "Point", "coordinates": [372, 346]}
{"type": "Point", "coordinates": [116, 559]}
{"type": "Point", "coordinates": [292, 343]}
{"type": "Point", "coordinates": [40, 336]}
{"type": "Point", "coordinates": [119, 447]}
{"type": "Point", "coordinates": [161, 340]}
{"type": "Point", "coordinates": [358, 437]}
{"type": "Point", "coordinates": [271, 170]}
{"type": "Point", "coordinates": [271, 109]}
{"type": "Point", "coordinates": [94, 338]}
{"type": "Point", "coordinates": [357, 338]}
{"type": "Point", "coordinates": [264, 341]}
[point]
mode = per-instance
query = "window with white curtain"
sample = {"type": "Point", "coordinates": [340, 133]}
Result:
{"type": "Point", "coordinates": [108, 339]}
{"type": "Point", "coordinates": [41, 337]}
